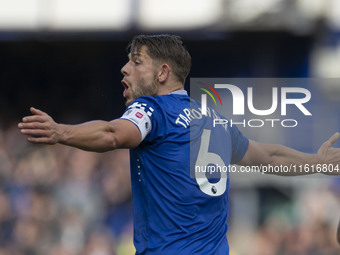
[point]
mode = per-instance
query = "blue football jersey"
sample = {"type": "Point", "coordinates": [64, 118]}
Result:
{"type": "Point", "coordinates": [177, 207]}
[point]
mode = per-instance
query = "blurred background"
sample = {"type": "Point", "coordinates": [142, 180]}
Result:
{"type": "Point", "coordinates": [64, 57]}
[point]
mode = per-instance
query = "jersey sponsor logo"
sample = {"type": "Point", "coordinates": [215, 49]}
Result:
{"type": "Point", "coordinates": [139, 115]}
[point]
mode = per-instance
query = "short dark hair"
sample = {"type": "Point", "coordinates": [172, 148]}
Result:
{"type": "Point", "coordinates": [167, 48]}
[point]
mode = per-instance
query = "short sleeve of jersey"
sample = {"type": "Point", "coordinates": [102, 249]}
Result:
{"type": "Point", "coordinates": [142, 112]}
{"type": "Point", "coordinates": [239, 145]}
{"type": "Point", "coordinates": [139, 114]}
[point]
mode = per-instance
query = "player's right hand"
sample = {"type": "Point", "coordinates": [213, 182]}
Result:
{"type": "Point", "coordinates": [40, 128]}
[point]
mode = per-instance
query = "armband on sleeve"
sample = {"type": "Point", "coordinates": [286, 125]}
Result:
{"type": "Point", "coordinates": [140, 119]}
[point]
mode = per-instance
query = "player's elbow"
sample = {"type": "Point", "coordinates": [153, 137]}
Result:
{"type": "Point", "coordinates": [122, 134]}
{"type": "Point", "coordinates": [111, 142]}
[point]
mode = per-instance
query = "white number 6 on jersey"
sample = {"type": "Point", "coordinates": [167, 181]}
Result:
{"type": "Point", "coordinates": [204, 158]}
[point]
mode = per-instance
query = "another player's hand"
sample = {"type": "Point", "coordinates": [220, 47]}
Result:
{"type": "Point", "coordinates": [329, 155]}
{"type": "Point", "coordinates": [40, 128]}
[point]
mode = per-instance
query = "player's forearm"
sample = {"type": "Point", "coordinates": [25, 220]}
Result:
{"type": "Point", "coordinates": [91, 136]}
{"type": "Point", "coordinates": [283, 156]}
{"type": "Point", "coordinates": [326, 160]}
{"type": "Point", "coordinates": [96, 135]}
{"type": "Point", "coordinates": [269, 156]}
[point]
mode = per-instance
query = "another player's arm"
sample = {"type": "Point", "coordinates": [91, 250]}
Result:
{"type": "Point", "coordinates": [96, 136]}
{"type": "Point", "coordinates": [276, 155]}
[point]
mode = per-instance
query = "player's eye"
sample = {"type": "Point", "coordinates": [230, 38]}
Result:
{"type": "Point", "coordinates": [136, 61]}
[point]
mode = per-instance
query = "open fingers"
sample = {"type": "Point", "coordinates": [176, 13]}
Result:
{"type": "Point", "coordinates": [38, 112]}
{"type": "Point", "coordinates": [35, 132]}
{"type": "Point", "coordinates": [33, 125]}
{"type": "Point", "coordinates": [45, 140]}
{"type": "Point", "coordinates": [333, 138]}
{"type": "Point", "coordinates": [34, 118]}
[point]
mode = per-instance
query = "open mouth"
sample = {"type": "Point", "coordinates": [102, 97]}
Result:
{"type": "Point", "coordinates": [126, 86]}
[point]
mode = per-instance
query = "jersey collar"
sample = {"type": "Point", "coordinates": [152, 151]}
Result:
{"type": "Point", "coordinates": [179, 92]}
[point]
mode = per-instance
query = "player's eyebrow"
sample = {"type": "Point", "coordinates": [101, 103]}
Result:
{"type": "Point", "coordinates": [134, 55]}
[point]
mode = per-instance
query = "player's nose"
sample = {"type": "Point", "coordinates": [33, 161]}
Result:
{"type": "Point", "coordinates": [124, 69]}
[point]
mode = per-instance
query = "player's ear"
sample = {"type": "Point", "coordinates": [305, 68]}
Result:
{"type": "Point", "coordinates": [163, 73]}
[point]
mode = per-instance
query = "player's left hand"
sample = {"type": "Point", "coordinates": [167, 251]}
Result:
{"type": "Point", "coordinates": [329, 155]}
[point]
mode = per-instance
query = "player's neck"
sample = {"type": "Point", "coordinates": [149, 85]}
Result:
{"type": "Point", "coordinates": [164, 89]}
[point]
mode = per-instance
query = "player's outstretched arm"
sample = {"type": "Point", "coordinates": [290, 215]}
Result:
{"type": "Point", "coordinates": [96, 135]}
{"type": "Point", "coordinates": [277, 155]}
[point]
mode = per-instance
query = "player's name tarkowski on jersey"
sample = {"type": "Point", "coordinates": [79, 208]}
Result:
{"type": "Point", "coordinates": [189, 114]}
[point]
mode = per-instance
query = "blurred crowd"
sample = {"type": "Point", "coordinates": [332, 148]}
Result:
{"type": "Point", "coordinates": [306, 226]}
{"type": "Point", "coordinates": [56, 200]}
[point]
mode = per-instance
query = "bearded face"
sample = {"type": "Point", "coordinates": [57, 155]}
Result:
{"type": "Point", "coordinates": [140, 76]}
{"type": "Point", "coordinates": [141, 87]}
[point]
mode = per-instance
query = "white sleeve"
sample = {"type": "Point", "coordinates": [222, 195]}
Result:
{"type": "Point", "coordinates": [140, 118]}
